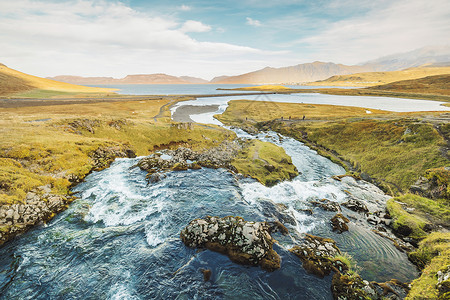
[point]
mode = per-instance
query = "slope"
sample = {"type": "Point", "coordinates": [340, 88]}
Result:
{"type": "Point", "coordinates": [13, 82]}
{"type": "Point", "coordinates": [378, 78]}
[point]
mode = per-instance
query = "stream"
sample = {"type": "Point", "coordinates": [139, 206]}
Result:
{"type": "Point", "coordinates": [120, 239]}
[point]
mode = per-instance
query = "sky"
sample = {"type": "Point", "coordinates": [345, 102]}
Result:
{"type": "Point", "coordinates": [208, 38]}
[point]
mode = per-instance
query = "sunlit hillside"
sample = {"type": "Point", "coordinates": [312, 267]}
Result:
{"type": "Point", "coordinates": [13, 82]}
{"type": "Point", "coordinates": [378, 78]}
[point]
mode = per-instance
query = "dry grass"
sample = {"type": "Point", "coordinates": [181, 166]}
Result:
{"type": "Point", "coordinates": [258, 111]}
{"type": "Point", "coordinates": [377, 78]}
{"type": "Point", "coordinates": [51, 151]}
{"type": "Point", "coordinates": [21, 84]}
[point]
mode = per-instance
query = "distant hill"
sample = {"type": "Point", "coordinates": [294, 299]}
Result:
{"type": "Point", "coordinates": [13, 82]}
{"type": "Point", "coordinates": [130, 79]}
{"type": "Point", "coordinates": [432, 55]}
{"type": "Point", "coordinates": [437, 85]}
{"type": "Point", "coordinates": [377, 78]}
{"type": "Point", "coordinates": [193, 80]}
{"type": "Point", "coordinates": [294, 74]}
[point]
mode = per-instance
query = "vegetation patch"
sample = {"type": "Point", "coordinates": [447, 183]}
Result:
{"type": "Point", "coordinates": [404, 223]}
{"type": "Point", "coordinates": [432, 256]}
{"type": "Point", "coordinates": [266, 162]}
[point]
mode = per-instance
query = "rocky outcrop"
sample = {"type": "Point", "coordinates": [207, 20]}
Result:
{"type": "Point", "coordinates": [356, 205]}
{"type": "Point", "coordinates": [185, 158]}
{"type": "Point", "coordinates": [103, 156]}
{"type": "Point", "coordinates": [321, 256]}
{"type": "Point", "coordinates": [443, 284]}
{"type": "Point", "coordinates": [83, 124]}
{"type": "Point", "coordinates": [40, 205]}
{"type": "Point", "coordinates": [434, 184]}
{"type": "Point", "coordinates": [243, 242]}
{"type": "Point", "coordinates": [327, 205]}
{"type": "Point", "coordinates": [317, 253]}
{"type": "Point", "coordinates": [339, 223]}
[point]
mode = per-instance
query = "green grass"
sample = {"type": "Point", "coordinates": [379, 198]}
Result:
{"type": "Point", "coordinates": [435, 210]}
{"type": "Point", "coordinates": [266, 162]}
{"type": "Point", "coordinates": [405, 223]}
{"type": "Point", "coordinates": [433, 255]}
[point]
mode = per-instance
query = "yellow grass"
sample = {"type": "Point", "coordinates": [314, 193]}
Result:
{"type": "Point", "coordinates": [51, 85]}
{"type": "Point", "coordinates": [377, 78]}
{"type": "Point", "coordinates": [41, 152]}
{"type": "Point", "coordinates": [265, 110]}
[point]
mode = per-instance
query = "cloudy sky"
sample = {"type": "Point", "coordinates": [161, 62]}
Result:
{"type": "Point", "coordinates": [207, 38]}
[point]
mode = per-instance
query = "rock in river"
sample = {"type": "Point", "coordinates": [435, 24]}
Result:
{"type": "Point", "coordinates": [243, 242]}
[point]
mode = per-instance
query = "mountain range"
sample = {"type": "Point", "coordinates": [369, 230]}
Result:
{"type": "Point", "coordinates": [301, 73]}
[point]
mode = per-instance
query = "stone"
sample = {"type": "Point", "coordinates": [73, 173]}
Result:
{"type": "Point", "coordinates": [316, 254]}
{"type": "Point", "coordinates": [339, 223]}
{"type": "Point", "coordinates": [372, 219]}
{"type": "Point", "coordinates": [243, 242]}
{"type": "Point", "coordinates": [206, 274]}
{"type": "Point", "coordinates": [356, 205]}
{"type": "Point", "coordinates": [327, 205]}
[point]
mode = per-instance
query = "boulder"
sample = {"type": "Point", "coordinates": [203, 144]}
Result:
{"type": "Point", "coordinates": [243, 242]}
{"type": "Point", "coordinates": [356, 205]}
{"type": "Point", "coordinates": [327, 205]}
{"type": "Point", "coordinates": [339, 223]}
{"type": "Point", "coordinates": [316, 254]}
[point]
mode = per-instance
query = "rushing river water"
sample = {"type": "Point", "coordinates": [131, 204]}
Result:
{"type": "Point", "coordinates": [120, 240]}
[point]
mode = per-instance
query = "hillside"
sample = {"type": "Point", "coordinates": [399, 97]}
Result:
{"type": "Point", "coordinates": [378, 78]}
{"type": "Point", "coordinates": [436, 85]}
{"type": "Point", "coordinates": [130, 79]}
{"type": "Point", "coordinates": [13, 82]}
{"type": "Point", "coordinates": [294, 74]}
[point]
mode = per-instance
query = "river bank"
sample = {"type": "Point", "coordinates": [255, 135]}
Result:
{"type": "Point", "coordinates": [396, 153]}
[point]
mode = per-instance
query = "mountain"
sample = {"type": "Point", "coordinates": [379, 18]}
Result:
{"type": "Point", "coordinates": [433, 55]}
{"type": "Point", "coordinates": [294, 74]}
{"type": "Point", "coordinates": [130, 79]}
{"type": "Point", "coordinates": [193, 80]}
{"type": "Point", "coordinates": [13, 82]}
{"type": "Point", "coordinates": [377, 78]}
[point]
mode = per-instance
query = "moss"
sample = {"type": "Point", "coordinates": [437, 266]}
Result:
{"type": "Point", "coordinates": [436, 210]}
{"type": "Point", "coordinates": [433, 255]}
{"type": "Point", "coordinates": [404, 223]}
{"type": "Point", "coordinates": [265, 162]}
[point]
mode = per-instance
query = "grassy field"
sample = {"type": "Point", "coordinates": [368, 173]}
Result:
{"type": "Point", "coordinates": [258, 111]}
{"type": "Point", "coordinates": [51, 144]}
{"type": "Point", "coordinates": [18, 84]}
{"type": "Point", "coordinates": [378, 78]}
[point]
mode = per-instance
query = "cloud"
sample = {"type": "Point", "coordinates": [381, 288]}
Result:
{"type": "Point", "coordinates": [195, 26]}
{"type": "Point", "coordinates": [97, 37]}
{"type": "Point", "coordinates": [397, 26]}
{"type": "Point", "coordinates": [185, 7]}
{"type": "Point", "coordinates": [252, 22]}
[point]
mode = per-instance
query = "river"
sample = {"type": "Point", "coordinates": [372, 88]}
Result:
{"type": "Point", "coordinates": [120, 239]}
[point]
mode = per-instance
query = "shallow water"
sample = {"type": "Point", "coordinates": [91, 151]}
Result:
{"type": "Point", "coordinates": [120, 240]}
{"type": "Point", "coordinates": [382, 103]}
{"type": "Point", "coordinates": [185, 89]}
